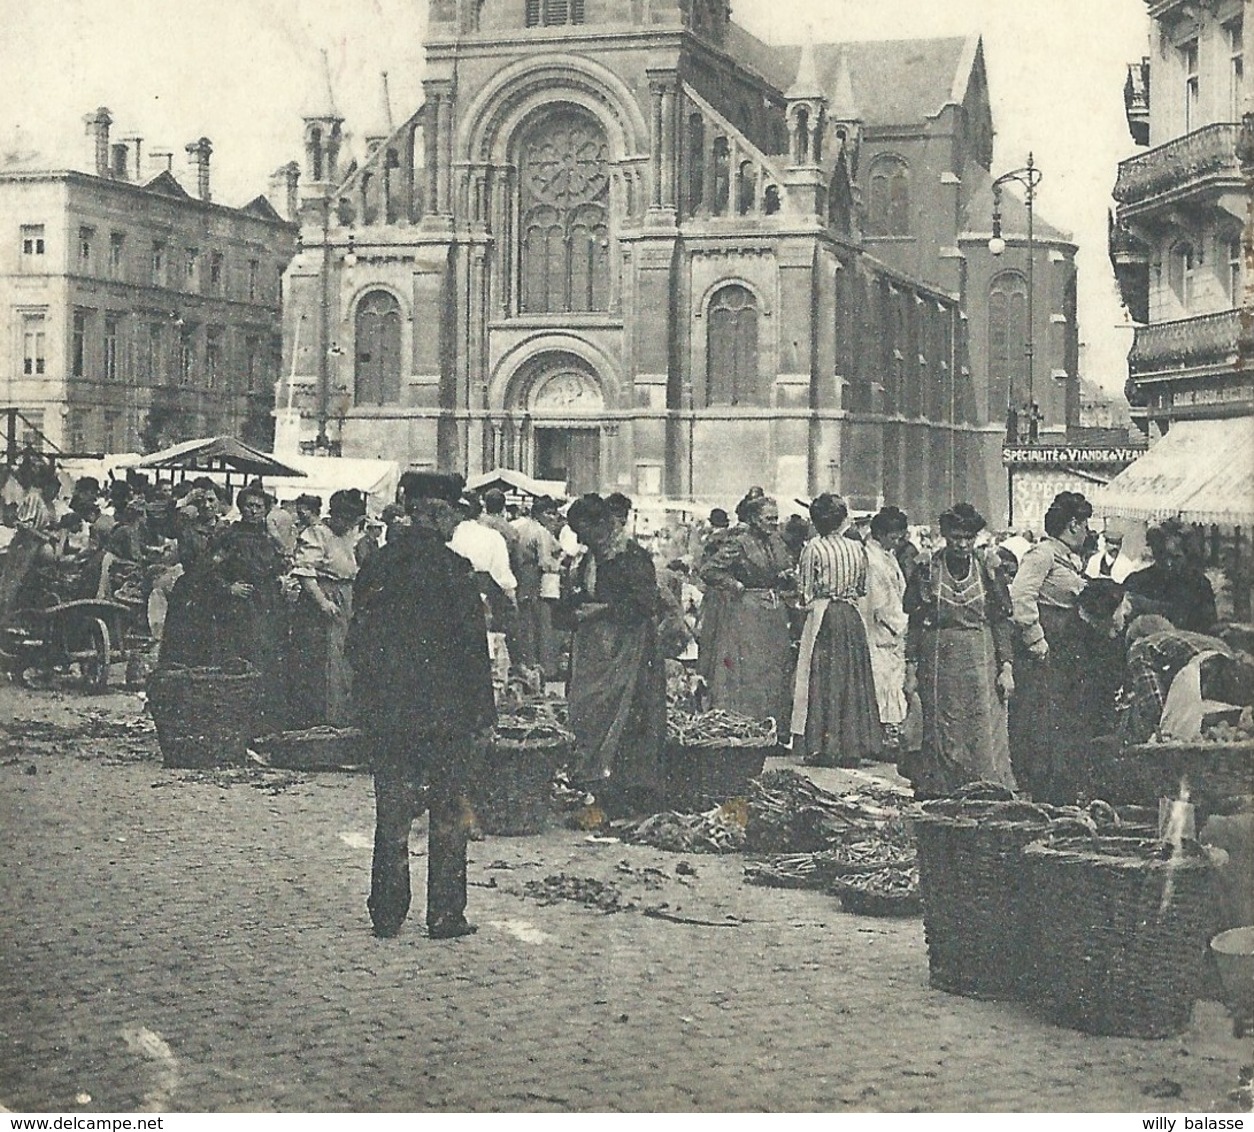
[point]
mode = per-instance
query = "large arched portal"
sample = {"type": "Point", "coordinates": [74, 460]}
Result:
{"type": "Point", "coordinates": [557, 402]}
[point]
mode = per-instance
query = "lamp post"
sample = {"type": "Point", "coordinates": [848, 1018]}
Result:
{"type": "Point", "coordinates": [1029, 177]}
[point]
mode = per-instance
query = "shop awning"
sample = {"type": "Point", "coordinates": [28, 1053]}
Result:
{"type": "Point", "coordinates": [1200, 472]}
{"type": "Point", "coordinates": [218, 453]}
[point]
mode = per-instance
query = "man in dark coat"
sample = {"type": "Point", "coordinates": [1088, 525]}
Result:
{"type": "Point", "coordinates": [422, 687]}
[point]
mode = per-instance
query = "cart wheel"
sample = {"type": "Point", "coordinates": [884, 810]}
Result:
{"type": "Point", "coordinates": [95, 668]}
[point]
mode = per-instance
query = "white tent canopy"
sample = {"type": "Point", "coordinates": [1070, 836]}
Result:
{"type": "Point", "coordinates": [1200, 472]}
{"type": "Point", "coordinates": [519, 482]}
{"type": "Point", "coordinates": [377, 479]}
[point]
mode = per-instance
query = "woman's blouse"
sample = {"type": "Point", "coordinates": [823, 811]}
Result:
{"type": "Point", "coordinates": [937, 600]}
{"type": "Point", "coordinates": [242, 552]}
{"type": "Point", "coordinates": [757, 562]}
{"type": "Point", "coordinates": [834, 567]}
{"type": "Point", "coordinates": [321, 553]}
{"type": "Point", "coordinates": [1049, 575]}
{"type": "Point", "coordinates": [627, 583]}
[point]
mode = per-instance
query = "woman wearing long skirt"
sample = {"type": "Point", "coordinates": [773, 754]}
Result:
{"type": "Point", "coordinates": [959, 652]}
{"type": "Point", "coordinates": [883, 614]}
{"type": "Point", "coordinates": [835, 721]}
{"type": "Point", "coordinates": [319, 677]}
{"type": "Point", "coordinates": [617, 688]}
{"type": "Point", "coordinates": [748, 654]}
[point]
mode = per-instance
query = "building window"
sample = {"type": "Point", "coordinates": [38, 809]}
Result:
{"type": "Point", "coordinates": [187, 355]}
{"type": "Point", "coordinates": [111, 347]}
{"type": "Point", "coordinates": [888, 213]}
{"type": "Point", "coordinates": [190, 262]}
{"type": "Point", "coordinates": [1235, 255]}
{"type": "Point", "coordinates": [215, 273]}
{"type": "Point", "coordinates": [117, 255]}
{"type": "Point", "coordinates": [86, 237]}
{"type": "Point", "coordinates": [254, 266]}
{"type": "Point", "coordinates": [31, 422]}
{"type": "Point", "coordinates": [1236, 68]}
{"type": "Point", "coordinates": [1192, 85]}
{"type": "Point", "coordinates": [32, 236]}
{"type": "Point", "coordinates": [157, 264]}
{"type": "Point", "coordinates": [1007, 343]}
{"type": "Point", "coordinates": [78, 344]}
{"type": "Point", "coordinates": [76, 430]}
{"type": "Point", "coordinates": [252, 369]}
{"type": "Point", "coordinates": [377, 374]}
{"type": "Point", "coordinates": [33, 345]}
{"type": "Point", "coordinates": [552, 13]}
{"type": "Point", "coordinates": [1181, 273]}
{"type": "Point", "coordinates": [564, 227]}
{"type": "Point", "coordinates": [732, 348]}
{"type": "Point", "coordinates": [213, 356]}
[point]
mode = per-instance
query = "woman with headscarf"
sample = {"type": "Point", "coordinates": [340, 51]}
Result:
{"type": "Point", "coordinates": [835, 721]}
{"type": "Point", "coordinates": [959, 655]}
{"type": "Point", "coordinates": [617, 687]}
{"type": "Point", "coordinates": [325, 563]}
{"type": "Point", "coordinates": [748, 651]}
{"type": "Point", "coordinates": [883, 614]}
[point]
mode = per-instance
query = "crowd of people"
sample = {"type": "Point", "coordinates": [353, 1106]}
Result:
{"type": "Point", "coordinates": [959, 657]}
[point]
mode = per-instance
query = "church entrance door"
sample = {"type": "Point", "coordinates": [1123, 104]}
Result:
{"type": "Point", "coordinates": [570, 454]}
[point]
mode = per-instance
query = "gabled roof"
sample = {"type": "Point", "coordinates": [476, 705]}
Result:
{"type": "Point", "coordinates": [261, 206]}
{"type": "Point", "coordinates": [977, 216]}
{"type": "Point", "coordinates": [167, 185]}
{"type": "Point", "coordinates": [894, 81]}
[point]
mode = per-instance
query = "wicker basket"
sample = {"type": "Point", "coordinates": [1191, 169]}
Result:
{"type": "Point", "coordinates": [970, 877]}
{"type": "Point", "coordinates": [204, 716]}
{"type": "Point", "coordinates": [1149, 771]}
{"type": "Point", "coordinates": [1120, 932]}
{"type": "Point", "coordinates": [511, 796]}
{"type": "Point", "coordinates": [699, 776]}
{"type": "Point", "coordinates": [316, 748]}
{"type": "Point", "coordinates": [891, 891]}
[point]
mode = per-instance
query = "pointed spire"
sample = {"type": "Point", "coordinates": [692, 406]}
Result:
{"type": "Point", "coordinates": [322, 99]}
{"type": "Point", "coordinates": [844, 108]}
{"type": "Point", "coordinates": [806, 84]}
{"type": "Point", "coordinates": [386, 99]}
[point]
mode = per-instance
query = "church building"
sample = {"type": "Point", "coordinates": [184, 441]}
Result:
{"type": "Point", "coordinates": [626, 244]}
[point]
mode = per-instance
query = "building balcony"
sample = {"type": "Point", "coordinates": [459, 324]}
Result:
{"type": "Point", "coordinates": [1201, 346]}
{"type": "Point", "coordinates": [1202, 161]}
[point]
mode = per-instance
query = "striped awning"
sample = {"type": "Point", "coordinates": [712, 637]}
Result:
{"type": "Point", "coordinates": [1200, 472]}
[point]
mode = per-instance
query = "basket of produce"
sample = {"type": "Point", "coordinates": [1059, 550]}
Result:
{"type": "Point", "coordinates": [711, 756]}
{"type": "Point", "coordinates": [891, 891]}
{"type": "Point", "coordinates": [512, 785]}
{"type": "Point", "coordinates": [823, 869]}
{"type": "Point", "coordinates": [1120, 927]}
{"type": "Point", "coordinates": [204, 716]}
{"type": "Point", "coordinates": [314, 748]}
{"type": "Point", "coordinates": [1219, 765]}
{"type": "Point", "coordinates": [970, 878]}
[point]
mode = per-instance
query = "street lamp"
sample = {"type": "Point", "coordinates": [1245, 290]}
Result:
{"type": "Point", "coordinates": [1029, 177]}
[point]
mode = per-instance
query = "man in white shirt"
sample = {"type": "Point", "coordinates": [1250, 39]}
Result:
{"type": "Point", "coordinates": [485, 549]}
{"type": "Point", "coordinates": [1110, 562]}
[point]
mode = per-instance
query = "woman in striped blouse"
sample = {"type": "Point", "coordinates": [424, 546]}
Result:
{"type": "Point", "coordinates": [835, 720]}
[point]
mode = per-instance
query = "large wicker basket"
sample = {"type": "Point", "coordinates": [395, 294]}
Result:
{"type": "Point", "coordinates": [698, 776]}
{"type": "Point", "coordinates": [970, 878]}
{"type": "Point", "coordinates": [1149, 771]}
{"type": "Point", "coordinates": [512, 792]}
{"type": "Point", "coordinates": [315, 748]}
{"type": "Point", "coordinates": [204, 716]}
{"type": "Point", "coordinates": [1119, 929]}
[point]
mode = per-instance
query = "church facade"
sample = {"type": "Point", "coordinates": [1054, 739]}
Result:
{"type": "Point", "coordinates": [626, 245]}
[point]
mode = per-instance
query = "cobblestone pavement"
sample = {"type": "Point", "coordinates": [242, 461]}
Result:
{"type": "Point", "coordinates": [198, 941]}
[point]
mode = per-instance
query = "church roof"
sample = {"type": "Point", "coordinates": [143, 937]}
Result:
{"type": "Point", "coordinates": [894, 81]}
{"type": "Point", "coordinates": [977, 218]}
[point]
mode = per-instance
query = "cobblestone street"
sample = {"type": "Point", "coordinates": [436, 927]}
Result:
{"type": "Point", "coordinates": [195, 941]}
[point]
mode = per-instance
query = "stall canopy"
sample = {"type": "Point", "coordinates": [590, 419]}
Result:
{"type": "Point", "coordinates": [1200, 472]}
{"type": "Point", "coordinates": [511, 481]}
{"type": "Point", "coordinates": [218, 454]}
{"type": "Point", "coordinates": [324, 475]}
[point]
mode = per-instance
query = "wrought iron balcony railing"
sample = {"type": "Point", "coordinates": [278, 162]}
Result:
{"type": "Point", "coordinates": [1207, 152]}
{"type": "Point", "coordinates": [1208, 340]}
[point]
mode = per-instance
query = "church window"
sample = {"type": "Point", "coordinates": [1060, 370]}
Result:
{"type": "Point", "coordinates": [378, 350]}
{"type": "Point", "coordinates": [696, 163]}
{"type": "Point", "coordinates": [722, 175]}
{"type": "Point", "coordinates": [889, 211]}
{"type": "Point", "coordinates": [1007, 342]}
{"type": "Point", "coordinates": [553, 13]}
{"type": "Point", "coordinates": [564, 215]}
{"type": "Point", "coordinates": [732, 353]}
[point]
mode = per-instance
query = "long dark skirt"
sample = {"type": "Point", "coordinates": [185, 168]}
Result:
{"type": "Point", "coordinates": [319, 678]}
{"type": "Point", "coordinates": [964, 724]}
{"type": "Point", "coordinates": [751, 659]}
{"type": "Point", "coordinates": [842, 720]}
{"type": "Point", "coordinates": [188, 637]}
{"type": "Point", "coordinates": [617, 695]}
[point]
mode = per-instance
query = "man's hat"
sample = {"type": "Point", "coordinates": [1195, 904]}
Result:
{"type": "Point", "coordinates": [430, 485]}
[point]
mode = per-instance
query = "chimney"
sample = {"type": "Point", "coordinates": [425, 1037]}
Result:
{"type": "Point", "coordinates": [121, 165]}
{"type": "Point", "coordinates": [98, 128]}
{"type": "Point", "coordinates": [161, 161]}
{"type": "Point", "coordinates": [136, 163]}
{"type": "Point", "coordinates": [198, 162]}
{"type": "Point", "coordinates": [283, 190]}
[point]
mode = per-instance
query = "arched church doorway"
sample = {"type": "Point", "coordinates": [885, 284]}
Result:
{"type": "Point", "coordinates": [560, 397]}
